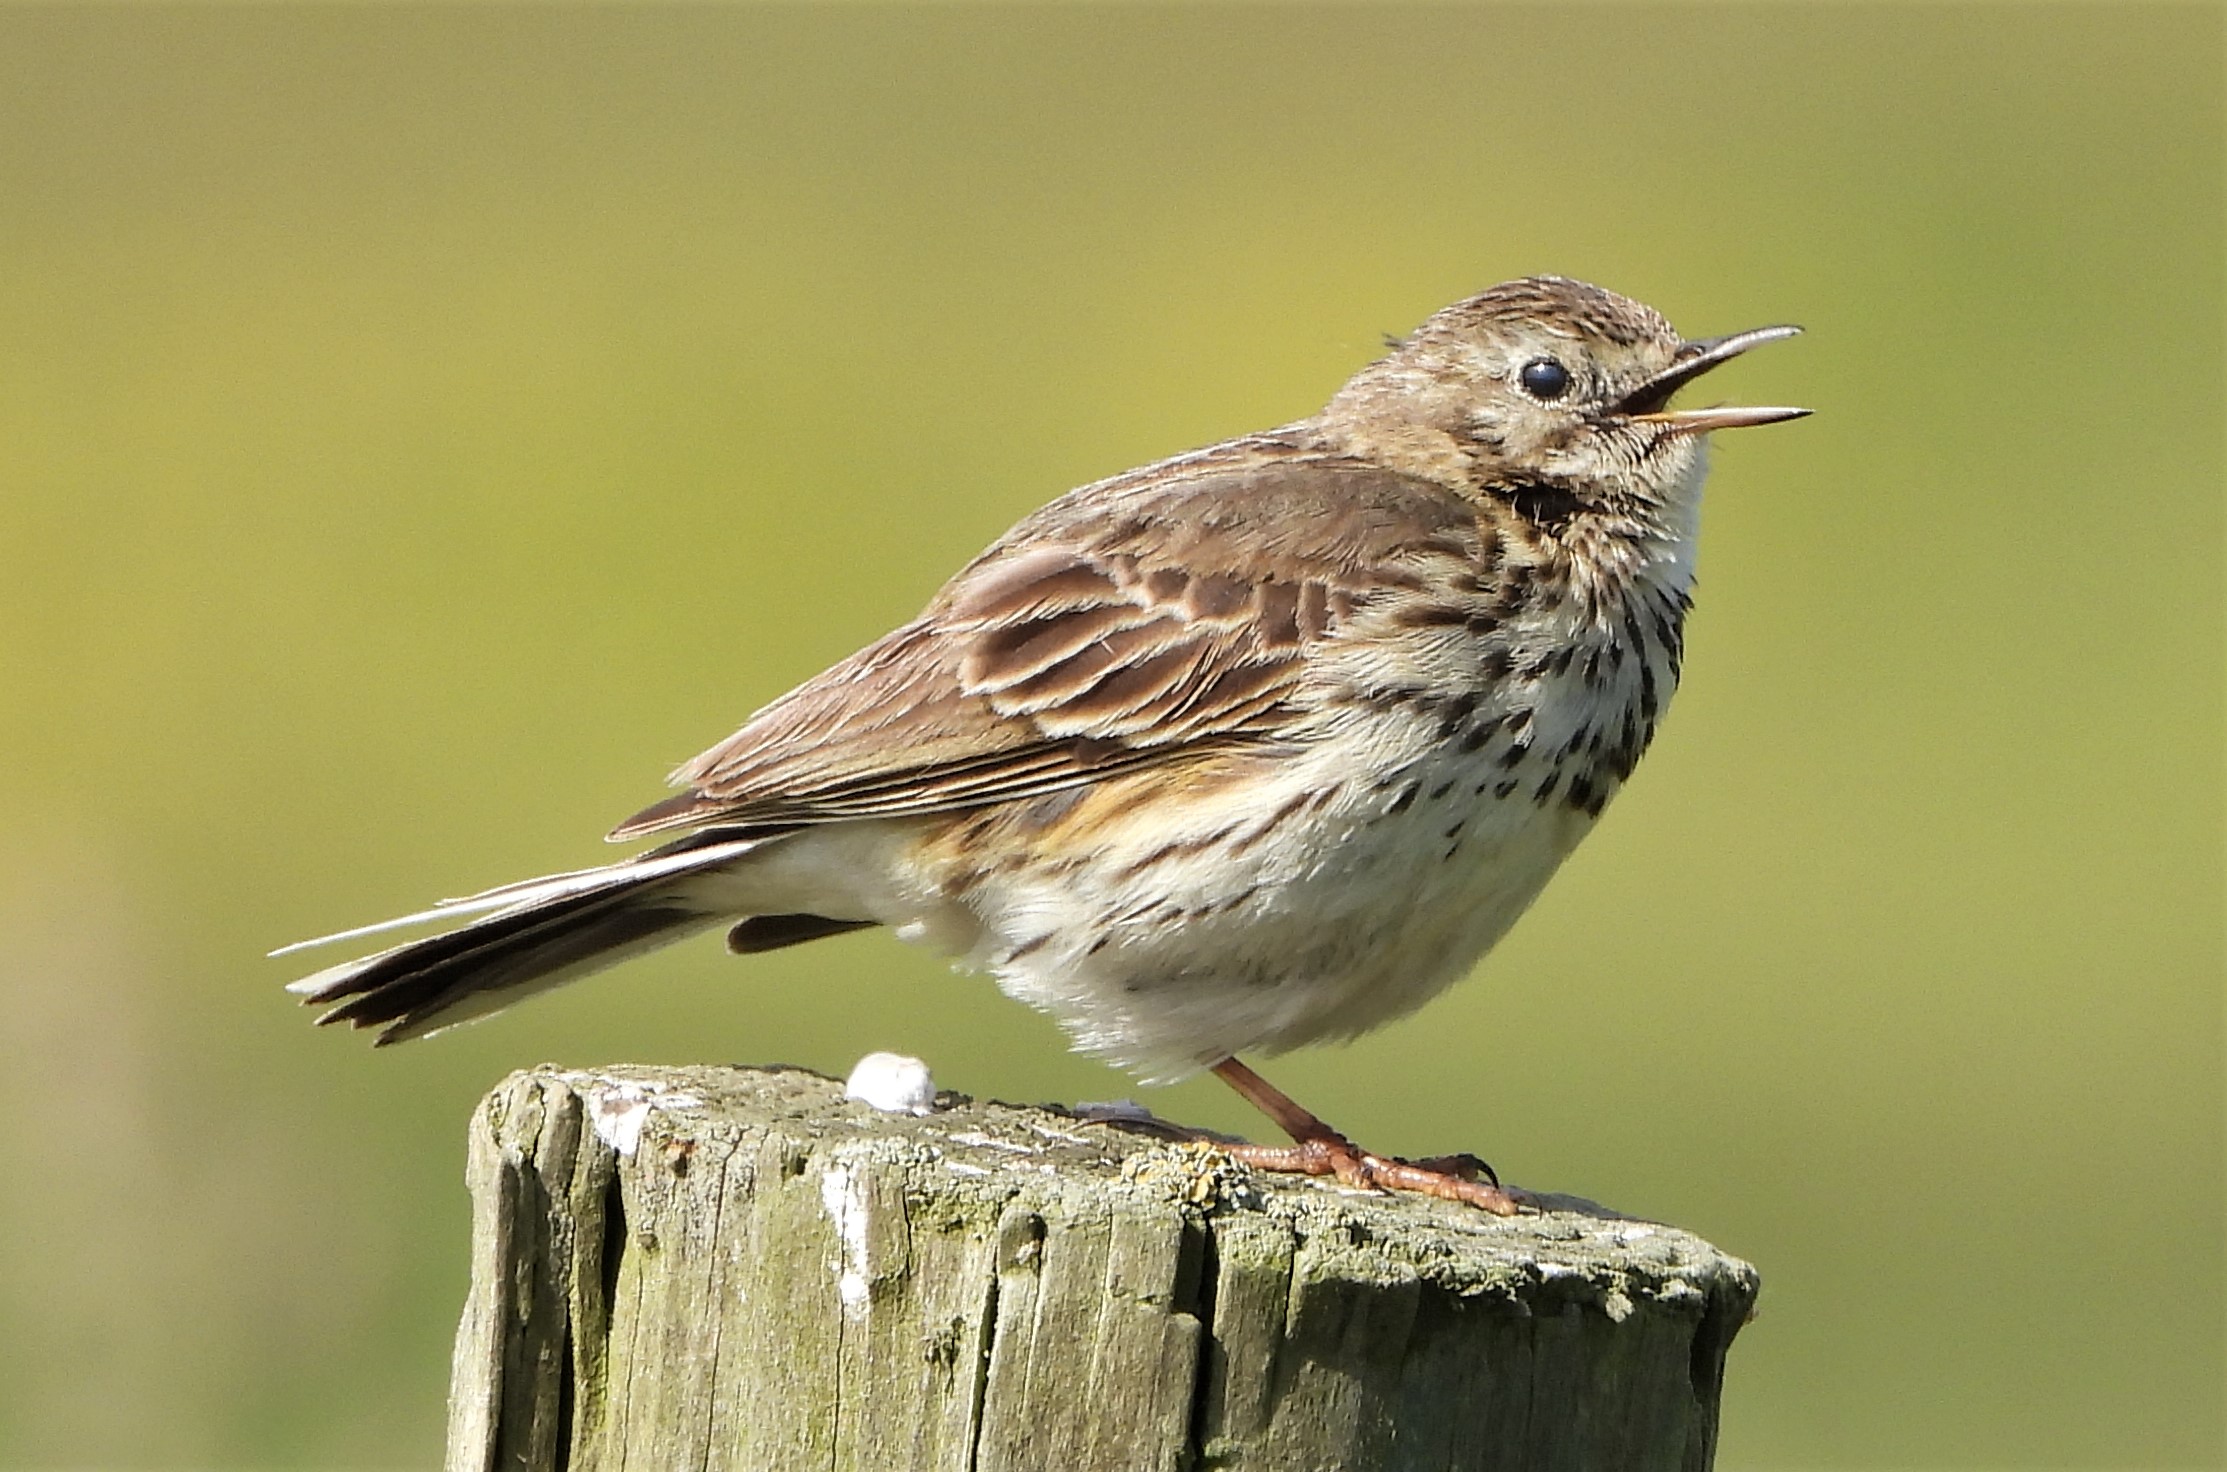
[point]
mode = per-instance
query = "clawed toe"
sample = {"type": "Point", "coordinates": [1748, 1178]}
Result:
{"type": "Point", "coordinates": [1429, 1180]}
{"type": "Point", "coordinates": [1464, 1166]}
{"type": "Point", "coordinates": [1335, 1156]}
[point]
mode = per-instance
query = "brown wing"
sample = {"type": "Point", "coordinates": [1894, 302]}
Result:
{"type": "Point", "coordinates": [1159, 616]}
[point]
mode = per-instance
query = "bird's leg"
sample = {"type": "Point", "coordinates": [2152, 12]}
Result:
{"type": "Point", "coordinates": [1319, 1150]}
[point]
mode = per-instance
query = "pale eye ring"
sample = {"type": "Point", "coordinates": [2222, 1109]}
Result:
{"type": "Point", "coordinates": [1544, 378]}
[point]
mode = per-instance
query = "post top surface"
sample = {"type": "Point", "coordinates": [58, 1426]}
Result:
{"type": "Point", "coordinates": [987, 1155]}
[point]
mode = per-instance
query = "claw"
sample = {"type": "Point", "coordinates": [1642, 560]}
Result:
{"type": "Point", "coordinates": [1465, 1165]}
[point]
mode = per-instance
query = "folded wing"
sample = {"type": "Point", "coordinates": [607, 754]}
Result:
{"type": "Point", "coordinates": [1118, 628]}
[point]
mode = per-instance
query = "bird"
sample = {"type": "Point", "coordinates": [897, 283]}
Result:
{"type": "Point", "coordinates": [1257, 746]}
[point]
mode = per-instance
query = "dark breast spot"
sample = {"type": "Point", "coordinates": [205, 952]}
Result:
{"type": "Point", "coordinates": [1474, 738]}
{"type": "Point", "coordinates": [1542, 503]}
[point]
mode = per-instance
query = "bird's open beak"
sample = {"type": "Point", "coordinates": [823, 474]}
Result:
{"type": "Point", "coordinates": [1649, 403]}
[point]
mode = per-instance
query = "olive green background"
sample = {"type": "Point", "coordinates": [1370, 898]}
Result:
{"type": "Point", "coordinates": [419, 428]}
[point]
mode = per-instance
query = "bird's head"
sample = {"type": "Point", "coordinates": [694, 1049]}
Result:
{"type": "Point", "coordinates": [1549, 382]}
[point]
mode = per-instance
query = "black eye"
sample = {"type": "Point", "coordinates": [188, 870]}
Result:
{"type": "Point", "coordinates": [1543, 378]}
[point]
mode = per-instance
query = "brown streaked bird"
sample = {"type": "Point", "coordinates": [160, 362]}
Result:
{"type": "Point", "coordinates": [1258, 746]}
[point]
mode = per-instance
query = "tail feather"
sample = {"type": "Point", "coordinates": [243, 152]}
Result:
{"type": "Point", "coordinates": [524, 894]}
{"type": "Point", "coordinates": [540, 935]}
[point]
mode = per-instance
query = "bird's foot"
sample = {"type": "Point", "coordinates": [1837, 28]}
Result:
{"type": "Point", "coordinates": [1318, 1150]}
{"type": "Point", "coordinates": [1453, 1178]}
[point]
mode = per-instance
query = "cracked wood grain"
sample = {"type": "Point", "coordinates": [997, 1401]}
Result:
{"type": "Point", "coordinates": [699, 1268]}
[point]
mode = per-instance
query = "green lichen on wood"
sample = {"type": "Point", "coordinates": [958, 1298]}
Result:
{"type": "Point", "coordinates": [735, 1268]}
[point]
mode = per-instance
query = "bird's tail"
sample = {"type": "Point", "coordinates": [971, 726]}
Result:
{"type": "Point", "coordinates": [527, 938]}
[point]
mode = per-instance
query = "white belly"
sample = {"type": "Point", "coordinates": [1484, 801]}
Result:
{"type": "Point", "coordinates": [1335, 918]}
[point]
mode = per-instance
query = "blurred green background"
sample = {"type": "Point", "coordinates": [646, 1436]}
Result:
{"type": "Point", "coordinates": [419, 428]}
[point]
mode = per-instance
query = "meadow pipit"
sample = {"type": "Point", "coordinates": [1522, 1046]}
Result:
{"type": "Point", "coordinates": [1257, 746]}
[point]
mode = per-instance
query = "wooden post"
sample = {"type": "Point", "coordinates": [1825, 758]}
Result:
{"type": "Point", "coordinates": [737, 1268]}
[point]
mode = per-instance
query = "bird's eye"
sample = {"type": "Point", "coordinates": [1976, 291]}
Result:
{"type": "Point", "coordinates": [1543, 378]}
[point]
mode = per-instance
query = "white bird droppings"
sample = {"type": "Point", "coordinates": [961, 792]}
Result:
{"type": "Point", "coordinates": [892, 1083]}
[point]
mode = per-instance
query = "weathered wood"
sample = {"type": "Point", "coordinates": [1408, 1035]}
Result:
{"type": "Point", "coordinates": [733, 1268]}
